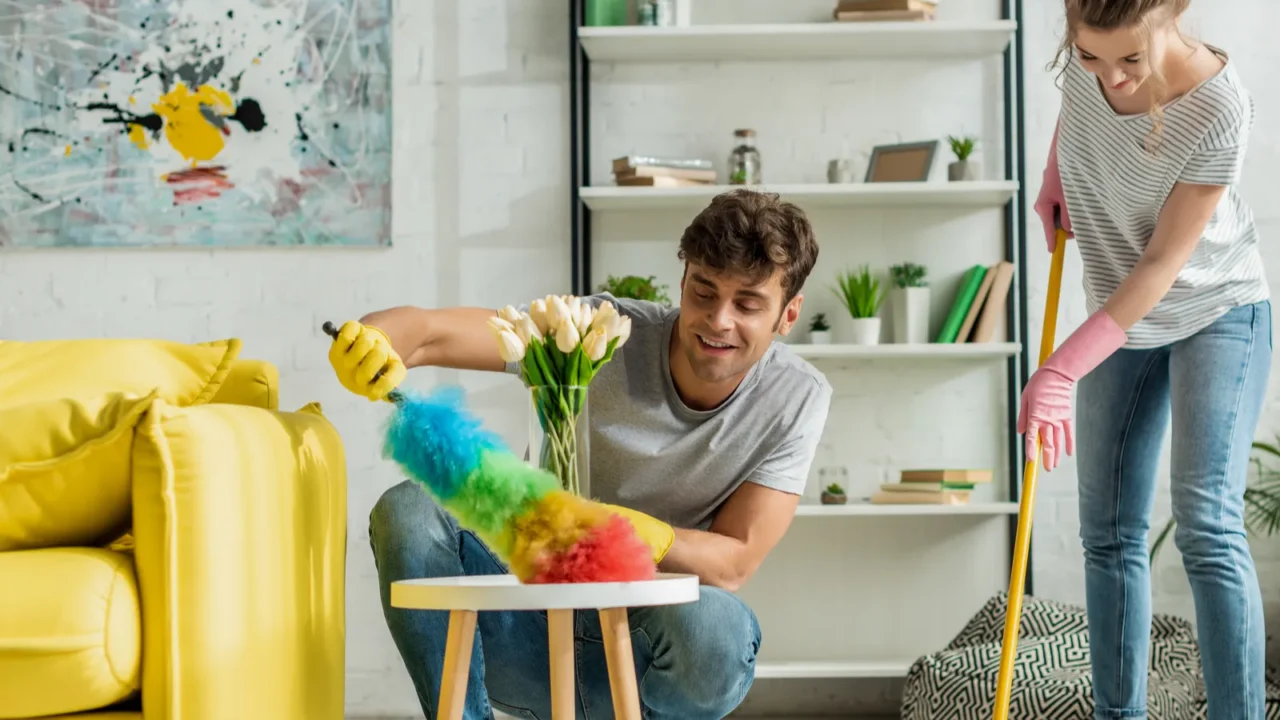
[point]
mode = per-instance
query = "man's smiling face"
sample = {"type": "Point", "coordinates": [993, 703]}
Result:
{"type": "Point", "coordinates": [727, 321]}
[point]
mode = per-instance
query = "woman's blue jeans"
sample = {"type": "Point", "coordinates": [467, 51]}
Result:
{"type": "Point", "coordinates": [1213, 385]}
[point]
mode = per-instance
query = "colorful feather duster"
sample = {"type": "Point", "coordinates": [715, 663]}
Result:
{"type": "Point", "coordinates": [544, 533]}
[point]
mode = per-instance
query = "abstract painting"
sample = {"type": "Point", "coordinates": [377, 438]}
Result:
{"type": "Point", "coordinates": [195, 123]}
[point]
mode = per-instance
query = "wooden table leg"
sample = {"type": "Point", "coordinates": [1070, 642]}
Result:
{"type": "Point", "coordinates": [622, 666]}
{"type": "Point", "coordinates": [457, 664]}
{"type": "Point", "coordinates": [560, 641]}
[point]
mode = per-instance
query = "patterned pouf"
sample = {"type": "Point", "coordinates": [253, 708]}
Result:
{"type": "Point", "coordinates": [1051, 677]}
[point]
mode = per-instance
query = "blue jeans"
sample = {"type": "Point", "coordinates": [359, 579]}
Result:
{"type": "Point", "coordinates": [692, 661]}
{"type": "Point", "coordinates": [1213, 385]}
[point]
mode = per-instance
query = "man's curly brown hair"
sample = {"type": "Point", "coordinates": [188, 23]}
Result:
{"type": "Point", "coordinates": [751, 233]}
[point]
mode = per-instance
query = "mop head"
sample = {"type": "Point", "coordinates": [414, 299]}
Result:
{"type": "Point", "coordinates": [543, 533]}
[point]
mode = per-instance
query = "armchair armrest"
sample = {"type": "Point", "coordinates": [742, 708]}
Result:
{"type": "Point", "coordinates": [240, 538]}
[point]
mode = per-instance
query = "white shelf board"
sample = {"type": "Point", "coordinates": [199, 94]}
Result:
{"type": "Point", "coordinates": [974, 193]}
{"type": "Point", "coordinates": [797, 41]}
{"type": "Point", "coordinates": [854, 508]}
{"type": "Point", "coordinates": [833, 669]}
{"type": "Point", "coordinates": [940, 351]}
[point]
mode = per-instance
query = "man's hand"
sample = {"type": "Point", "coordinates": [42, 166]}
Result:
{"type": "Point", "coordinates": [747, 527]}
{"type": "Point", "coordinates": [362, 353]}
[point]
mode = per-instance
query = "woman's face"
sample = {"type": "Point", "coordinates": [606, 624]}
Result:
{"type": "Point", "coordinates": [1122, 59]}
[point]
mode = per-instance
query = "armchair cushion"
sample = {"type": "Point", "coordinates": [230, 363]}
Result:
{"type": "Point", "coordinates": [65, 469]}
{"type": "Point", "coordinates": [70, 631]}
{"type": "Point", "coordinates": [239, 526]}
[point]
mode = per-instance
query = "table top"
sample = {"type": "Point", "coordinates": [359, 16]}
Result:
{"type": "Point", "coordinates": [506, 592]}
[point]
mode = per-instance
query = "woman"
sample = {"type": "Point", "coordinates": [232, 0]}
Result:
{"type": "Point", "coordinates": [1147, 154]}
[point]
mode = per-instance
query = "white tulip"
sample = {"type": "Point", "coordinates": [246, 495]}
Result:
{"type": "Point", "coordinates": [527, 330]}
{"type": "Point", "coordinates": [595, 344]}
{"type": "Point", "coordinates": [497, 324]}
{"type": "Point", "coordinates": [510, 347]}
{"type": "Point", "coordinates": [538, 313]}
{"type": "Point", "coordinates": [510, 314]}
{"type": "Point", "coordinates": [605, 316]}
{"type": "Point", "coordinates": [622, 329]}
{"type": "Point", "coordinates": [567, 337]}
{"type": "Point", "coordinates": [586, 314]}
{"type": "Point", "coordinates": [557, 314]}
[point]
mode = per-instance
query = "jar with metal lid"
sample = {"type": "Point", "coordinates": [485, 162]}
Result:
{"type": "Point", "coordinates": [744, 161]}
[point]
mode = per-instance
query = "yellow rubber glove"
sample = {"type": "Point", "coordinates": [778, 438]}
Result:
{"type": "Point", "coordinates": [655, 533]}
{"type": "Point", "coordinates": [358, 353]}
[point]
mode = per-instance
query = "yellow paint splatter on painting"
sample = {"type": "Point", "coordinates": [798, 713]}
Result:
{"type": "Point", "coordinates": [138, 136]}
{"type": "Point", "coordinates": [67, 152]}
{"type": "Point", "coordinates": [186, 127]}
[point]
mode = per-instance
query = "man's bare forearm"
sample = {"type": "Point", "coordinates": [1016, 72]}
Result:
{"type": "Point", "coordinates": [456, 337]}
{"type": "Point", "coordinates": [716, 559]}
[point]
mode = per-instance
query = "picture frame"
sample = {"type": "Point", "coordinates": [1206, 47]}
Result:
{"type": "Point", "coordinates": [904, 162]}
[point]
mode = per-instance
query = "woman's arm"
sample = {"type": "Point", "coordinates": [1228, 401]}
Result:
{"type": "Point", "coordinates": [1181, 223]}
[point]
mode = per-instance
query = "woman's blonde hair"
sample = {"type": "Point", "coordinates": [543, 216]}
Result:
{"type": "Point", "coordinates": [1116, 14]}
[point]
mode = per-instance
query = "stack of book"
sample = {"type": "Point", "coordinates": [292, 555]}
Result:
{"type": "Point", "coordinates": [931, 487]}
{"type": "Point", "coordinates": [881, 10]}
{"type": "Point", "coordinates": [978, 310]}
{"type": "Point", "coordinates": [667, 172]}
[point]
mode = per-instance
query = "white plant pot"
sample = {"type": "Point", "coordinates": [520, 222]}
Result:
{"type": "Point", "coordinates": [910, 315]}
{"type": "Point", "coordinates": [820, 337]}
{"type": "Point", "coordinates": [865, 331]}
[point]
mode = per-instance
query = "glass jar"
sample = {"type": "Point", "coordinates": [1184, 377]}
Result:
{"type": "Point", "coordinates": [744, 161]}
{"type": "Point", "coordinates": [659, 13]}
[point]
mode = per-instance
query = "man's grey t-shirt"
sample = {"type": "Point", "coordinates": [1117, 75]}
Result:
{"type": "Point", "coordinates": [651, 452]}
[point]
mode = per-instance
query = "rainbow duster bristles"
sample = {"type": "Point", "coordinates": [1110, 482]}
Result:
{"type": "Point", "coordinates": [543, 533]}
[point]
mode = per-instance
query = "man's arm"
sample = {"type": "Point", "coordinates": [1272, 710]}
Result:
{"type": "Point", "coordinates": [747, 527]}
{"type": "Point", "coordinates": [450, 337]}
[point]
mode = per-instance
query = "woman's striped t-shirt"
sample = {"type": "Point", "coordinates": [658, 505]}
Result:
{"type": "Point", "coordinates": [1115, 188]}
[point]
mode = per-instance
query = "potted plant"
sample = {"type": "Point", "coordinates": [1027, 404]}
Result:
{"type": "Point", "coordinates": [819, 330]}
{"type": "Point", "coordinates": [962, 169]}
{"type": "Point", "coordinates": [636, 288]}
{"type": "Point", "coordinates": [910, 300]}
{"type": "Point", "coordinates": [833, 494]}
{"type": "Point", "coordinates": [862, 297]}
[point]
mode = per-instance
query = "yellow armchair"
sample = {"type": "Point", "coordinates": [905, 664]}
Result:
{"type": "Point", "coordinates": [214, 590]}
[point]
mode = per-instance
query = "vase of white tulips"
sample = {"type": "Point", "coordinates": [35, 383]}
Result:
{"type": "Point", "coordinates": [560, 345]}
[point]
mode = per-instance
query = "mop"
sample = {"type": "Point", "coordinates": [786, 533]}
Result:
{"type": "Point", "coordinates": [1026, 508]}
{"type": "Point", "coordinates": [543, 533]}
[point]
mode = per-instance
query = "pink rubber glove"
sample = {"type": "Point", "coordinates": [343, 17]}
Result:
{"type": "Point", "coordinates": [1046, 401]}
{"type": "Point", "coordinates": [1051, 197]}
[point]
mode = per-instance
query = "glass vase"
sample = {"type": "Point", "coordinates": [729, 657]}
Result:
{"type": "Point", "coordinates": [559, 435]}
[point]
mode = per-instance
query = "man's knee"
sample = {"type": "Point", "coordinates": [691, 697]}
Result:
{"type": "Point", "coordinates": [714, 643]}
{"type": "Point", "coordinates": [406, 524]}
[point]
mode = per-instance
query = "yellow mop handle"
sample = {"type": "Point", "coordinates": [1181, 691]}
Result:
{"type": "Point", "coordinates": [1026, 508]}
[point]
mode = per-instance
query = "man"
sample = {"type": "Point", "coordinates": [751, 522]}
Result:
{"type": "Point", "coordinates": [702, 428]}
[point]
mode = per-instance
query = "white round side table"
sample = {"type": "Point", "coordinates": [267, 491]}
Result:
{"type": "Point", "coordinates": [465, 597]}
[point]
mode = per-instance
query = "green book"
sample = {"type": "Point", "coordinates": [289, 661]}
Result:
{"type": "Point", "coordinates": [960, 308]}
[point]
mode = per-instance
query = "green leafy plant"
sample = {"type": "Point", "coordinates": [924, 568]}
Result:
{"type": "Point", "coordinates": [835, 489]}
{"type": "Point", "coordinates": [962, 146]}
{"type": "Point", "coordinates": [860, 293]}
{"type": "Point", "coordinates": [908, 275]}
{"type": "Point", "coordinates": [637, 288]}
{"type": "Point", "coordinates": [819, 323]}
{"type": "Point", "coordinates": [1261, 498]}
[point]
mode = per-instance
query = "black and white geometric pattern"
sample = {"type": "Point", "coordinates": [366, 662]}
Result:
{"type": "Point", "coordinates": [1051, 676]}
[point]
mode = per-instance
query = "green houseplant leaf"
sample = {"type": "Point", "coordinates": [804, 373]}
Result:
{"type": "Point", "coordinates": [860, 293]}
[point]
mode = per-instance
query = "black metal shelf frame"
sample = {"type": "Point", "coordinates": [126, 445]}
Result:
{"type": "Point", "coordinates": [1018, 366]}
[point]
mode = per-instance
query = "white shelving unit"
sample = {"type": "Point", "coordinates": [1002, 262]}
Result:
{"type": "Point", "coordinates": [857, 590]}
{"type": "Point", "coordinates": [853, 195]}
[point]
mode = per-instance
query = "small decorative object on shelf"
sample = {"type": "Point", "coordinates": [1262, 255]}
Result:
{"type": "Point", "coordinates": [962, 169]}
{"type": "Point", "coordinates": [862, 297]}
{"type": "Point", "coordinates": [833, 494]}
{"type": "Point", "coordinates": [658, 13]}
{"type": "Point", "coordinates": [560, 344]}
{"type": "Point", "coordinates": [819, 330]}
{"type": "Point", "coordinates": [636, 288]}
{"type": "Point", "coordinates": [744, 161]}
{"type": "Point", "coordinates": [910, 301]}
{"type": "Point", "coordinates": [839, 171]}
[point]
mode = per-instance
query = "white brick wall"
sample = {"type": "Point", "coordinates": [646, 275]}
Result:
{"type": "Point", "coordinates": [480, 196]}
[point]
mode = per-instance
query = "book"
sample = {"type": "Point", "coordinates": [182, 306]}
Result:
{"type": "Point", "coordinates": [957, 475]}
{"type": "Point", "coordinates": [926, 486]}
{"type": "Point", "coordinates": [969, 285]}
{"type": "Point", "coordinates": [631, 162]}
{"type": "Point", "coordinates": [883, 5]}
{"type": "Point", "coordinates": [656, 181]}
{"type": "Point", "coordinates": [883, 15]}
{"type": "Point", "coordinates": [699, 174]}
{"type": "Point", "coordinates": [962, 335]}
{"type": "Point", "coordinates": [993, 311]}
{"type": "Point", "coordinates": [922, 498]}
